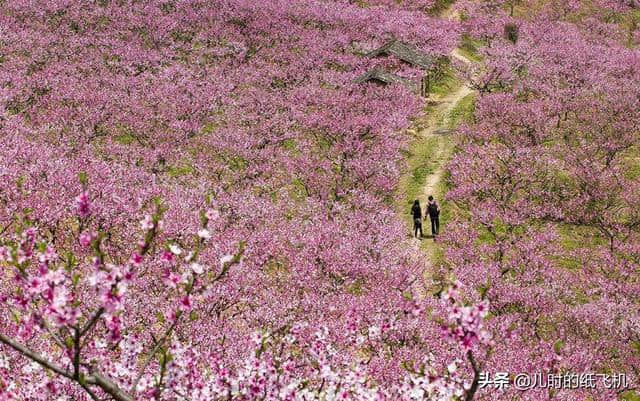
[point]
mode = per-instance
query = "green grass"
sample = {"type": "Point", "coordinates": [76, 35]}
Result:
{"type": "Point", "coordinates": [575, 237]}
{"type": "Point", "coordinates": [447, 83]}
{"type": "Point", "coordinates": [633, 171]}
{"type": "Point", "coordinates": [632, 25]}
{"type": "Point", "coordinates": [440, 191]}
{"type": "Point", "coordinates": [297, 191]}
{"type": "Point", "coordinates": [462, 112]}
{"type": "Point", "coordinates": [446, 211]}
{"type": "Point", "coordinates": [469, 48]}
{"type": "Point", "coordinates": [179, 171]}
{"type": "Point", "coordinates": [290, 144]}
{"type": "Point", "coordinates": [126, 136]}
{"type": "Point", "coordinates": [421, 165]}
{"type": "Point", "coordinates": [237, 163]}
{"type": "Point", "coordinates": [631, 396]}
{"type": "Point", "coordinates": [209, 128]}
{"type": "Point", "coordinates": [125, 139]}
{"type": "Point", "coordinates": [440, 6]}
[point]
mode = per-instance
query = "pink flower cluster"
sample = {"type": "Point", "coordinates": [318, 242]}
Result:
{"type": "Point", "coordinates": [466, 321]}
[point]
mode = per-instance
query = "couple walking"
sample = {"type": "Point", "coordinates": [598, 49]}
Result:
{"type": "Point", "coordinates": [433, 210]}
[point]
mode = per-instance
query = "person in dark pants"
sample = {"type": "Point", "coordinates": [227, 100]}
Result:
{"type": "Point", "coordinates": [433, 210]}
{"type": "Point", "coordinates": [416, 211]}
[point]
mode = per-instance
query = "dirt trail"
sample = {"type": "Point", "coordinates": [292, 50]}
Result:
{"type": "Point", "coordinates": [439, 129]}
{"type": "Point", "coordinates": [435, 125]}
{"type": "Point", "coordinates": [438, 121]}
{"type": "Point", "coordinates": [455, 53]}
{"type": "Point", "coordinates": [451, 14]}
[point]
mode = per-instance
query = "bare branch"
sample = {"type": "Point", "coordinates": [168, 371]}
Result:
{"type": "Point", "coordinates": [34, 356]}
{"type": "Point", "coordinates": [151, 354]}
{"type": "Point", "coordinates": [108, 387]}
{"type": "Point", "coordinates": [92, 322]}
{"type": "Point", "coordinates": [476, 378]}
{"type": "Point", "coordinates": [95, 379]}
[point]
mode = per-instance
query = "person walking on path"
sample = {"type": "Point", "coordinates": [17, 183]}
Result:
{"type": "Point", "coordinates": [416, 211]}
{"type": "Point", "coordinates": [433, 210]}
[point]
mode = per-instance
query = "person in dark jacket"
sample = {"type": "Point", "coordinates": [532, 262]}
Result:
{"type": "Point", "coordinates": [433, 210]}
{"type": "Point", "coordinates": [416, 211]}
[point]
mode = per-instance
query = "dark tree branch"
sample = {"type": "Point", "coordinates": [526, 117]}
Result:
{"type": "Point", "coordinates": [34, 356]}
{"type": "Point", "coordinates": [476, 378]}
{"type": "Point", "coordinates": [96, 379]}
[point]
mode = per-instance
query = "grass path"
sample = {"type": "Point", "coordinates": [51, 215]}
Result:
{"type": "Point", "coordinates": [440, 129]}
{"type": "Point", "coordinates": [431, 150]}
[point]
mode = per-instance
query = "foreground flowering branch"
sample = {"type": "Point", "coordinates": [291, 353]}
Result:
{"type": "Point", "coordinates": [467, 329]}
{"type": "Point", "coordinates": [77, 301]}
{"type": "Point", "coordinates": [70, 307]}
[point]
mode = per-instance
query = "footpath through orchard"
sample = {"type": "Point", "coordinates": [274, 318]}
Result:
{"type": "Point", "coordinates": [435, 126]}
